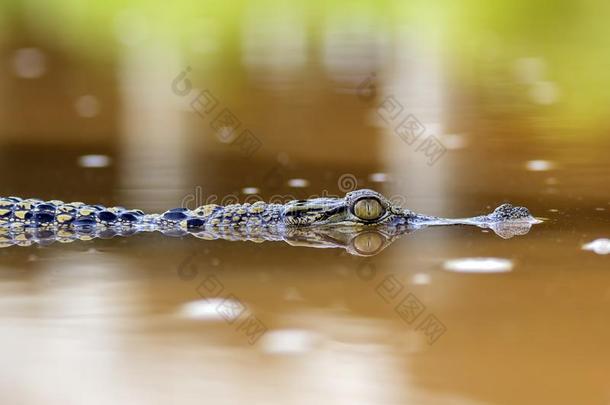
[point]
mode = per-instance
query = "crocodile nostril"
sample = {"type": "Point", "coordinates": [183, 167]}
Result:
{"type": "Point", "coordinates": [509, 212]}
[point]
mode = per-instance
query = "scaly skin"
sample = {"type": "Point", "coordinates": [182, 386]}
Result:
{"type": "Point", "coordinates": [27, 221]}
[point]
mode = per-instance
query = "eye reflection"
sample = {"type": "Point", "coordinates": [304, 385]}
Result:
{"type": "Point", "coordinates": [368, 243]}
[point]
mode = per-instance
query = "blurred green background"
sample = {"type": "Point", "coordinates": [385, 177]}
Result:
{"type": "Point", "coordinates": [547, 58]}
{"type": "Point", "coordinates": [82, 78]}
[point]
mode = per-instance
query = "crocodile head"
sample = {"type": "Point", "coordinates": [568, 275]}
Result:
{"type": "Point", "coordinates": [360, 207]}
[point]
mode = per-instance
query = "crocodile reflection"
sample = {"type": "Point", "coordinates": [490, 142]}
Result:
{"type": "Point", "coordinates": [355, 241]}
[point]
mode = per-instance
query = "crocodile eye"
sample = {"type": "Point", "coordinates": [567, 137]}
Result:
{"type": "Point", "coordinates": [368, 209]}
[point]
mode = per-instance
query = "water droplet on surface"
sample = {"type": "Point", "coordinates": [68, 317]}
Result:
{"type": "Point", "coordinates": [379, 177]}
{"type": "Point", "coordinates": [210, 309]}
{"type": "Point", "coordinates": [421, 279]}
{"type": "Point", "coordinates": [453, 141]}
{"type": "Point", "coordinates": [479, 265]}
{"type": "Point", "coordinates": [599, 246]}
{"type": "Point", "coordinates": [94, 161]}
{"type": "Point", "coordinates": [250, 190]}
{"type": "Point", "coordinates": [538, 165]}
{"type": "Point", "coordinates": [288, 341]}
{"type": "Point", "coordinates": [298, 183]}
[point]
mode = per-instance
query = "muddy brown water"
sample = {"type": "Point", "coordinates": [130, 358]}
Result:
{"type": "Point", "coordinates": [126, 319]}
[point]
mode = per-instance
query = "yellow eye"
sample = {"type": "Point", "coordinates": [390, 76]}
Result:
{"type": "Point", "coordinates": [368, 243]}
{"type": "Point", "coordinates": [368, 209]}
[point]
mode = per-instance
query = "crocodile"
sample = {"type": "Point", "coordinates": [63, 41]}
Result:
{"type": "Point", "coordinates": [317, 222]}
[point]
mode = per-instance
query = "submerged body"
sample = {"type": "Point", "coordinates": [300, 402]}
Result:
{"type": "Point", "coordinates": [33, 220]}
